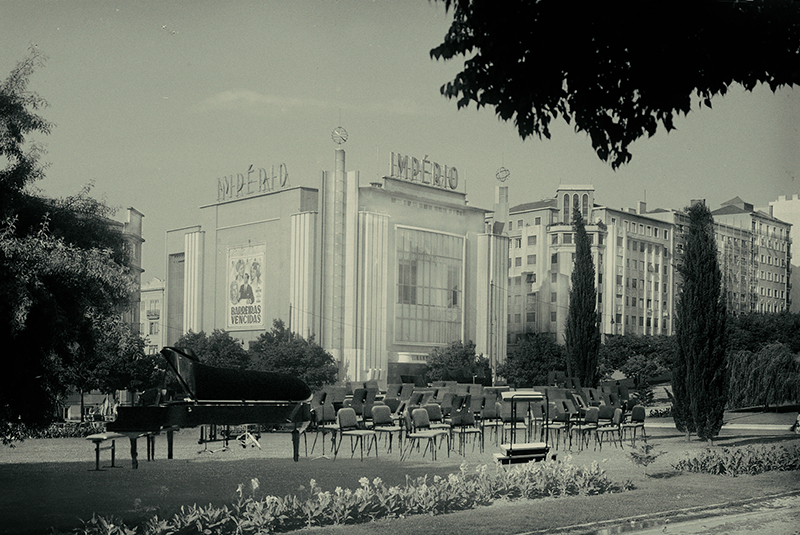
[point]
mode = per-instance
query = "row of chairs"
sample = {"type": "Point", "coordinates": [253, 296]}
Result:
{"type": "Point", "coordinates": [568, 415]}
{"type": "Point", "coordinates": [414, 423]}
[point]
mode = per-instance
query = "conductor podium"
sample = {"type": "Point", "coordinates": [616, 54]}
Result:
{"type": "Point", "coordinates": [527, 451]}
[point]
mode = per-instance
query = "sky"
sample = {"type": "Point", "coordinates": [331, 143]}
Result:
{"type": "Point", "coordinates": [153, 101]}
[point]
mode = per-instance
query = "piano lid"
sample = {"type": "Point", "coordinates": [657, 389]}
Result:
{"type": "Point", "coordinates": [209, 383]}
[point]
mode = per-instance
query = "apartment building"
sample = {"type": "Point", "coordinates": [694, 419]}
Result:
{"type": "Point", "coordinates": [636, 254]}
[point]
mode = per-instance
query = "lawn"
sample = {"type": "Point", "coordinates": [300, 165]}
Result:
{"type": "Point", "coordinates": [51, 483]}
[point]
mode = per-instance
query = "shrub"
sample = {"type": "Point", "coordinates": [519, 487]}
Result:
{"type": "Point", "coordinates": [18, 432]}
{"type": "Point", "coordinates": [748, 460]}
{"type": "Point", "coordinates": [251, 514]}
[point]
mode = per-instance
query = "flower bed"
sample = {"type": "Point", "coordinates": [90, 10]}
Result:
{"type": "Point", "coordinates": [251, 513]}
{"type": "Point", "coordinates": [748, 460]}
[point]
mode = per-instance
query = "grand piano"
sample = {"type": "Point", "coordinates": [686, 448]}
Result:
{"type": "Point", "coordinates": [218, 396]}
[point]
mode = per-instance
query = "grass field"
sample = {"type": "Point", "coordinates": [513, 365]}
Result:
{"type": "Point", "coordinates": [52, 482]}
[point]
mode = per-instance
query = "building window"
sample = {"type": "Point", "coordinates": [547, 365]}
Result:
{"type": "Point", "coordinates": [519, 223]}
{"type": "Point", "coordinates": [554, 239]}
{"type": "Point", "coordinates": [553, 317]}
{"type": "Point", "coordinates": [153, 327]}
{"type": "Point", "coordinates": [518, 261]}
{"type": "Point", "coordinates": [530, 317]}
{"type": "Point", "coordinates": [553, 297]}
{"type": "Point", "coordinates": [407, 283]}
{"type": "Point", "coordinates": [537, 221]}
{"type": "Point", "coordinates": [554, 277]}
{"type": "Point", "coordinates": [554, 258]}
{"type": "Point", "coordinates": [567, 238]}
{"type": "Point", "coordinates": [531, 259]}
{"type": "Point", "coordinates": [531, 240]}
{"type": "Point", "coordinates": [429, 286]}
{"type": "Point", "coordinates": [510, 225]}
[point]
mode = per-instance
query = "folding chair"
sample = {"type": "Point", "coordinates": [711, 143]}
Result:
{"type": "Point", "coordinates": [383, 423]}
{"type": "Point", "coordinates": [613, 427]}
{"type": "Point", "coordinates": [435, 417]}
{"type": "Point", "coordinates": [489, 416]}
{"type": "Point", "coordinates": [586, 426]}
{"type": "Point", "coordinates": [325, 418]}
{"type": "Point", "coordinates": [509, 424]}
{"type": "Point", "coordinates": [558, 422]}
{"type": "Point", "coordinates": [463, 423]}
{"type": "Point", "coordinates": [348, 426]}
{"type": "Point", "coordinates": [419, 429]}
{"type": "Point", "coordinates": [636, 422]}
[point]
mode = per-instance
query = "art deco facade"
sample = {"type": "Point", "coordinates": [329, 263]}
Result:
{"type": "Point", "coordinates": [379, 274]}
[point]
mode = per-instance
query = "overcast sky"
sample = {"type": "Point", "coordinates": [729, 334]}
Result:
{"type": "Point", "coordinates": [154, 100]}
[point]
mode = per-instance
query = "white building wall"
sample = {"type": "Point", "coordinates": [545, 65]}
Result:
{"type": "Point", "coordinates": [491, 282]}
{"type": "Point", "coordinates": [372, 300]}
{"type": "Point", "coordinates": [193, 282]}
{"type": "Point", "coordinates": [302, 275]}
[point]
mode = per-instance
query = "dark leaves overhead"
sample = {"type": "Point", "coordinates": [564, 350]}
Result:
{"type": "Point", "coordinates": [614, 70]}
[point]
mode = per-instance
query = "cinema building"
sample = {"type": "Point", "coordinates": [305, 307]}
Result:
{"type": "Point", "coordinates": [379, 273]}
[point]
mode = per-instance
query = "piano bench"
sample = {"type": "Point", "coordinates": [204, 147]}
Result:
{"type": "Point", "coordinates": [98, 439]}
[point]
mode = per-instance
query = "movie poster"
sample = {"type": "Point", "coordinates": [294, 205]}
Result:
{"type": "Point", "coordinates": [245, 301]}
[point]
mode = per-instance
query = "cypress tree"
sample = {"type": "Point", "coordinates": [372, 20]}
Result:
{"type": "Point", "coordinates": [700, 375]}
{"type": "Point", "coordinates": [583, 320]}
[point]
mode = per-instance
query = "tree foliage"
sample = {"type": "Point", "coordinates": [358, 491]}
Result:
{"type": "Point", "coordinates": [282, 350]}
{"type": "Point", "coordinates": [458, 362]}
{"type": "Point", "coordinates": [700, 380]}
{"type": "Point", "coordinates": [615, 70]}
{"type": "Point", "coordinates": [220, 349]}
{"type": "Point", "coordinates": [54, 299]}
{"type": "Point", "coordinates": [616, 352]}
{"type": "Point", "coordinates": [583, 321]}
{"type": "Point", "coordinates": [751, 332]}
{"type": "Point", "coordinates": [18, 119]}
{"type": "Point", "coordinates": [530, 361]}
{"type": "Point", "coordinates": [63, 280]}
{"type": "Point", "coordinates": [767, 378]}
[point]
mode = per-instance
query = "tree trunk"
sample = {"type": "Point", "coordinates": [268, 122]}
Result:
{"type": "Point", "coordinates": [82, 405]}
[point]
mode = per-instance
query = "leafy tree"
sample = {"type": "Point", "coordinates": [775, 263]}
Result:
{"type": "Point", "coordinates": [656, 354]}
{"type": "Point", "coordinates": [281, 350]}
{"type": "Point", "coordinates": [583, 320]}
{"type": "Point", "coordinates": [17, 120]}
{"type": "Point", "coordinates": [220, 349]}
{"type": "Point", "coordinates": [530, 361]}
{"type": "Point", "coordinates": [458, 362]}
{"type": "Point", "coordinates": [54, 300]}
{"type": "Point", "coordinates": [768, 378]}
{"type": "Point", "coordinates": [125, 365]}
{"type": "Point", "coordinates": [628, 66]}
{"type": "Point", "coordinates": [62, 273]}
{"type": "Point", "coordinates": [700, 380]}
{"type": "Point", "coordinates": [751, 332]}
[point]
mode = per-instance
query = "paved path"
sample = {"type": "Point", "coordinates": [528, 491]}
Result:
{"type": "Point", "coordinates": [778, 516]}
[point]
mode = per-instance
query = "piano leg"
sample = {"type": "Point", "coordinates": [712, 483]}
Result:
{"type": "Point", "coordinates": [170, 436]}
{"type": "Point", "coordinates": [296, 444]}
{"type": "Point", "coordinates": [134, 454]}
